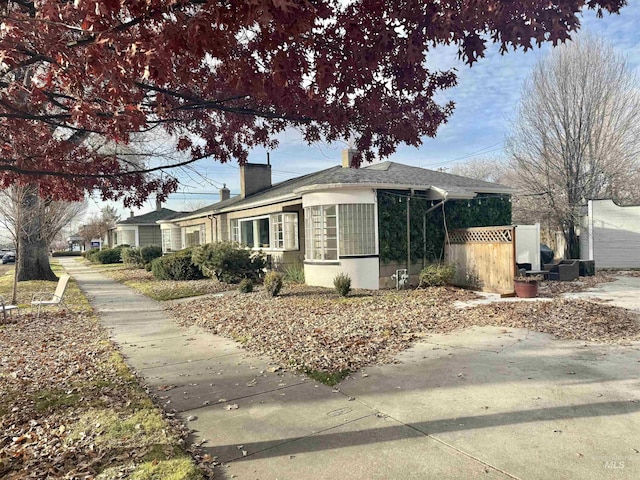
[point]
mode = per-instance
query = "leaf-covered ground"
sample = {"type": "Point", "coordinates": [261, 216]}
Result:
{"type": "Point", "coordinates": [314, 329]}
{"type": "Point", "coordinates": [145, 283]}
{"type": "Point", "coordinates": [70, 408]}
{"type": "Point", "coordinates": [556, 289]}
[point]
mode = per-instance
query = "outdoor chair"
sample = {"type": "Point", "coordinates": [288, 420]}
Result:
{"type": "Point", "coordinates": [7, 308]}
{"type": "Point", "coordinates": [41, 299]}
{"type": "Point", "coordinates": [564, 270]}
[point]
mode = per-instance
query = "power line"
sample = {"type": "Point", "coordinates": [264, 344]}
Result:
{"type": "Point", "coordinates": [472, 154]}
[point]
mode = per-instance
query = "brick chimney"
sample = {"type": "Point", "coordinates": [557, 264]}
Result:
{"type": "Point", "coordinates": [253, 178]}
{"type": "Point", "coordinates": [225, 193]}
{"type": "Point", "coordinates": [158, 205]}
{"type": "Point", "coordinates": [347, 157]}
{"type": "Point", "coordinates": [130, 213]}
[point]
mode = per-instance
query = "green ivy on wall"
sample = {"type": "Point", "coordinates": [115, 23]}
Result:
{"type": "Point", "coordinates": [484, 211]}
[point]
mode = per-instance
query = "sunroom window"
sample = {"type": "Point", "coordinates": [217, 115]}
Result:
{"type": "Point", "coordinates": [357, 229]}
{"type": "Point", "coordinates": [355, 236]}
{"type": "Point", "coordinates": [321, 233]}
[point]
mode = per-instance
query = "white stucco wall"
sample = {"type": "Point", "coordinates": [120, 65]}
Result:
{"type": "Point", "coordinates": [612, 236]}
{"type": "Point", "coordinates": [339, 196]}
{"type": "Point", "coordinates": [363, 271]}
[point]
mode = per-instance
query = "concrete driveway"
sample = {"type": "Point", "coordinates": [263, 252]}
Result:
{"type": "Point", "coordinates": [479, 403]}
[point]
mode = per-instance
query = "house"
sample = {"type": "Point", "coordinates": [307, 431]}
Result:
{"type": "Point", "coordinates": [139, 230]}
{"type": "Point", "coordinates": [338, 220]}
{"type": "Point", "coordinates": [610, 234]}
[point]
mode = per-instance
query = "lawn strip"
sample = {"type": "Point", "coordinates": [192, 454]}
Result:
{"type": "Point", "coordinates": [70, 407]}
{"type": "Point", "coordinates": [163, 290]}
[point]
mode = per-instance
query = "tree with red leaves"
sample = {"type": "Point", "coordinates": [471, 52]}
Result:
{"type": "Point", "coordinates": [225, 76]}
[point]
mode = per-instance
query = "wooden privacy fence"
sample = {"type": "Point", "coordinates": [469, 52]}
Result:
{"type": "Point", "coordinates": [484, 257]}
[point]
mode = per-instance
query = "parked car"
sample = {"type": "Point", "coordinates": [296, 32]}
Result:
{"type": "Point", "coordinates": [9, 258]}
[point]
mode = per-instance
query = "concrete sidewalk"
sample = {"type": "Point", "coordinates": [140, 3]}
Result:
{"type": "Point", "coordinates": [480, 403]}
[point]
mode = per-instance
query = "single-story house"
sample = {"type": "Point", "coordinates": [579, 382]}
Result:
{"type": "Point", "coordinates": [332, 221]}
{"type": "Point", "coordinates": [139, 230]}
{"type": "Point", "coordinates": [610, 234]}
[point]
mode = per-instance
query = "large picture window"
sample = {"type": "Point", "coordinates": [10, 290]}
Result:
{"type": "Point", "coordinates": [275, 232]}
{"type": "Point", "coordinates": [335, 231]}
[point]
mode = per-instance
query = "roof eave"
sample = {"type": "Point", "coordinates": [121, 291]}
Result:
{"type": "Point", "coordinates": [453, 192]}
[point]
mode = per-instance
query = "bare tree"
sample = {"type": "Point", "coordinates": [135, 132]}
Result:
{"type": "Point", "coordinates": [577, 132]}
{"type": "Point", "coordinates": [489, 169]}
{"type": "Point", "coordinates": [34, 222]}
{"type": "Point", "coordinates": [99, 224]}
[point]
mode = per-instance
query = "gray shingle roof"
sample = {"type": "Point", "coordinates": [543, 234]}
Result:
{"type": "Point", "coordinates": [385, 173]}
{"type": "Point", "coordinates": [151, 218]}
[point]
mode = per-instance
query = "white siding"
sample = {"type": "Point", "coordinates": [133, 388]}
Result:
{"type": "Point", "coordinates": [611, 235]}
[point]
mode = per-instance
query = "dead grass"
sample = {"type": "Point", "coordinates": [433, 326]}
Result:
{"type": "Point", "coordinates": [163, 290]}
{"type": "Point", "coordinates": [73, 297]}
{"type": "Point", "coordinates": [71, 408]}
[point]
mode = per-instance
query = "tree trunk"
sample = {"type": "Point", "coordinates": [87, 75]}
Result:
{"type": "Point", "coordinates": [572, 248]}
{"type": "Point", "coordinates": [32, 255]}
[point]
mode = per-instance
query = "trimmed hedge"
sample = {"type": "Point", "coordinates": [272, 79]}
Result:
{"type": "Point", "coordinates": [107, 255]}
{"type": "Point", "coordinates": [177, 266]}
{"type": "Point", "coordinates": [66, 254]}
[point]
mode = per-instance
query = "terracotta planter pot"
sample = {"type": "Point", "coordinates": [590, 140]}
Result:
{"type": "Point", "coordinates": [526, 289]}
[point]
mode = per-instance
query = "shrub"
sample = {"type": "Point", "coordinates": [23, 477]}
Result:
{"type": "Point", "coordinates": [272, 283]}
{"type": "Point", "coordinates": [245, 285]}
{"type": "Point", "coordinates": [131, 257]}
{"type": "Point", "coordinates": [437, 274]}
{"type": "Point", "coordinates": [294, 273]}
{"type": "Point", "coordinates": [66, 254]}
{"type": "Point", "coordinates": [228, 261]}
{"type": "Point", "coordinates": [107, 255]}
{"type": "Point", "coordinates": [342, 282]}
{"type": "Point", "coordinates": [177, 266]}
{"type": "Point", "coordinates": [150, 253]}
{"type": "Point", "coordinates": [89, 253]}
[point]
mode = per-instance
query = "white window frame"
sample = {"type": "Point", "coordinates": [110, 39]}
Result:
{"type": "Point", "coordinates": [255, 221]}
{"type": "Point", "coordinates": [284, 231]}
{"type": "Point", "coordinates": [318, 234]}
{"type": "Point", "coordinates": [234, 226]}
{"type": "Point", "coordinates": [167, 240]}
{"type": "Point", "coordinates": [187, 230]}
{"type": "Point", "coordinates": [360, 219]}
{"type": "Point", "coordinates": [357, 234]}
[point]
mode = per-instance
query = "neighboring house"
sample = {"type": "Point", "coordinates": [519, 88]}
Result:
{"type": "Point", "coordinates": [328, 220]}
{"type": "Point", "coordinates": [139, 230]}
{"type": "Point", "coordinates": [610, 234]}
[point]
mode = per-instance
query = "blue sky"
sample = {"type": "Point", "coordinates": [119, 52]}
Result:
{"type": "Point", "coordinates": [486, 100]}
